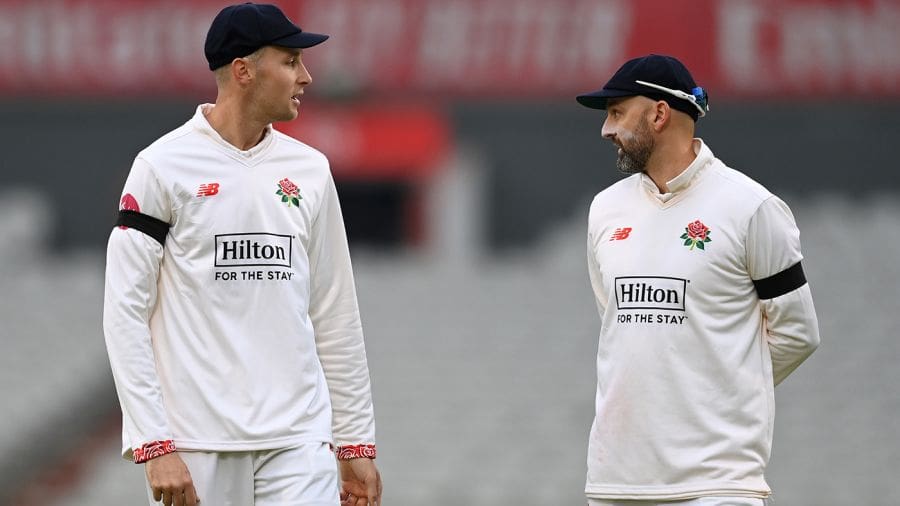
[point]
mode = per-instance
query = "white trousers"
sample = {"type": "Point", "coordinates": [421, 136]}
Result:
{"type": "Point", "coordinates": [304, 475]}
{"type": "Point", "coordinates": [702, 501]}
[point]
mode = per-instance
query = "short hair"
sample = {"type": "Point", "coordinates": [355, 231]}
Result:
{"type": "Point", "coordinates": [223, 72]}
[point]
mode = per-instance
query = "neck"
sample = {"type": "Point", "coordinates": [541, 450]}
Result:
{"type": "Point", "coordinates": [231, 119]}
{"type": "Point", "coordinates": [668, 161]}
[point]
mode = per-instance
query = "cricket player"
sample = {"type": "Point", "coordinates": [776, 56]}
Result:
{"type": "Point", "coordinates": [230, 314]}
{"type": "Point", "coordinates": [704, 307]}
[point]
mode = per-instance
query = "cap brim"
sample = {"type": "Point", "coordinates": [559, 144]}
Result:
{"type": "Point", "coordinates": [597, 99]}
{"type": "Point", "coordinates": [300, 40]}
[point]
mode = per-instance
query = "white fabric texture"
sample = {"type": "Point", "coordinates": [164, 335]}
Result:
{"type": "Point", "coordinates": [701, 501]}
{"type": "Point", "coordinates": [243, 332]}
{"type": "Point", "coordinates": [303, 475]}
{"type": "Point", "coordinates": [685, 393]}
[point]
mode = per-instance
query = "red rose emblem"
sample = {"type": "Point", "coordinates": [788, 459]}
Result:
{"type": "Point", "coordinates": [288, 187]}
{"type": "Point", "coordinates": [289, 192]}
{"type": "Point", "coordinates": [697, 230]}
{"type": "Point", "coordinates": [696, 235]}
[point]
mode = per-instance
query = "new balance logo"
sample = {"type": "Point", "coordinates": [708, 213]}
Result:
{"type": "Point", "coordinates": [208, 190]}
{"type": "Point", "coordinates": [620, 234]}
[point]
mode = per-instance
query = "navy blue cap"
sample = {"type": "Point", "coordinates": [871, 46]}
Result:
{"type": "Point", "coordinates": [654, 76]}
{"type": "Point", "coordinates": [239, 30]}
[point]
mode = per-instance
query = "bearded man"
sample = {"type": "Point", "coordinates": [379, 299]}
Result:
{"type": "Point", "coordinates": [704, 306]}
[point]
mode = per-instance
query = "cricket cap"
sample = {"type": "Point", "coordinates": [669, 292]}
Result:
{"type": "Point", "coordinates": [239, 30]}
{"type": "Point", "coordinates": [654, 76]}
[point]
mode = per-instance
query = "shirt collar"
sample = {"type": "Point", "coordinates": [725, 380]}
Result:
{"type": "Point", "coordinates": [202, 124]}
{"type": "Point", "coordinates": [682, 181]}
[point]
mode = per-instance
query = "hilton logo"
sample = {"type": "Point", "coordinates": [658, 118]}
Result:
{"type": "Point", "coordinates": [650, 292]}
{"type": "Point", "coordinates": [247, 250]}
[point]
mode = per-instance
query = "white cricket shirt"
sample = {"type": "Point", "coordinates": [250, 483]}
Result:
{"type": "Point", "coordinates": [243, 331]}
{"type": "Point", "coordinates": [688, 353]}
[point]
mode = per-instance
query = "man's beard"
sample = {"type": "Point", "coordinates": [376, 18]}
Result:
{"type": "Point", "coordinates": [637, 153]}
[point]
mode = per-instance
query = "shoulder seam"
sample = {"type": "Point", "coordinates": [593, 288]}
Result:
{"type": "Point", "coordinates": [171, 136]}
{"type": "Point", "coordinates": [293, 140]}
{"type": "Point", "coordinates": [760, 192]}
{"type": "Point", "coordinates": [283, 136]}
{"type": "Point", "coordinates": [155, 173]}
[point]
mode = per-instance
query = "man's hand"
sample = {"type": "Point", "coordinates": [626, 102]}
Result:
{"type": "Point", "coordinates": [360, 483]}
{"type": "Point", "coordinates": [171, 481]}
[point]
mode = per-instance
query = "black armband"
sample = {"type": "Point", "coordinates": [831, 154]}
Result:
{"type": "Point", "coordinates": [149, 225]}
{"type": "Point", "coordinates": [779, 284]}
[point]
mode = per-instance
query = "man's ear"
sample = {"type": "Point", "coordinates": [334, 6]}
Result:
{"type": "Point", "coordinates": [243, 70]}
{"type": "Point", "coordinates": [662, 113]}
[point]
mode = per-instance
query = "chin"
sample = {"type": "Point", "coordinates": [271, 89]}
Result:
{"type": "Point", "coordinates": [289, 116]}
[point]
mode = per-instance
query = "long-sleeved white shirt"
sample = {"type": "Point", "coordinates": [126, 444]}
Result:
{"type": "Point", "coordinates": [689, 353]}
{"type": "Point", "coordinates": [242, 331]}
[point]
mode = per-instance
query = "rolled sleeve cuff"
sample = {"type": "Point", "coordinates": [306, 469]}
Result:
{"type": "Point", "coordinates": [348, 452]}
{"type": "Point", "coordinates": [152, 450]}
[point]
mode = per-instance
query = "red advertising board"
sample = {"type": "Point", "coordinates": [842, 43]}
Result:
{"type": "Point", "coordinates": [376, 141]}
{"type": "Point", "coordinates": [517, 49]}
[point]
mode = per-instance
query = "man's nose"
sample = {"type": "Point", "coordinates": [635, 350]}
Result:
{"type": "Point", "coordinates": [304, 77]}
{"type": "Point", "coordinates": [607, 131]}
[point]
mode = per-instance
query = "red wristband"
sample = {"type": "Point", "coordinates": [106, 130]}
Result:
{"type": "Point", "coordinates": [348, 452]}
{"type": "Point", "coordinates": [152, 450]}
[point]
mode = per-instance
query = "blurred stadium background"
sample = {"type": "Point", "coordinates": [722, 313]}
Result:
{"type": "Point", "coordinates": [465, 169]}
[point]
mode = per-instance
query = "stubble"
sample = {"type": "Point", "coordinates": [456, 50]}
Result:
{"type": "Point", "coordinates": [636, 150]}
